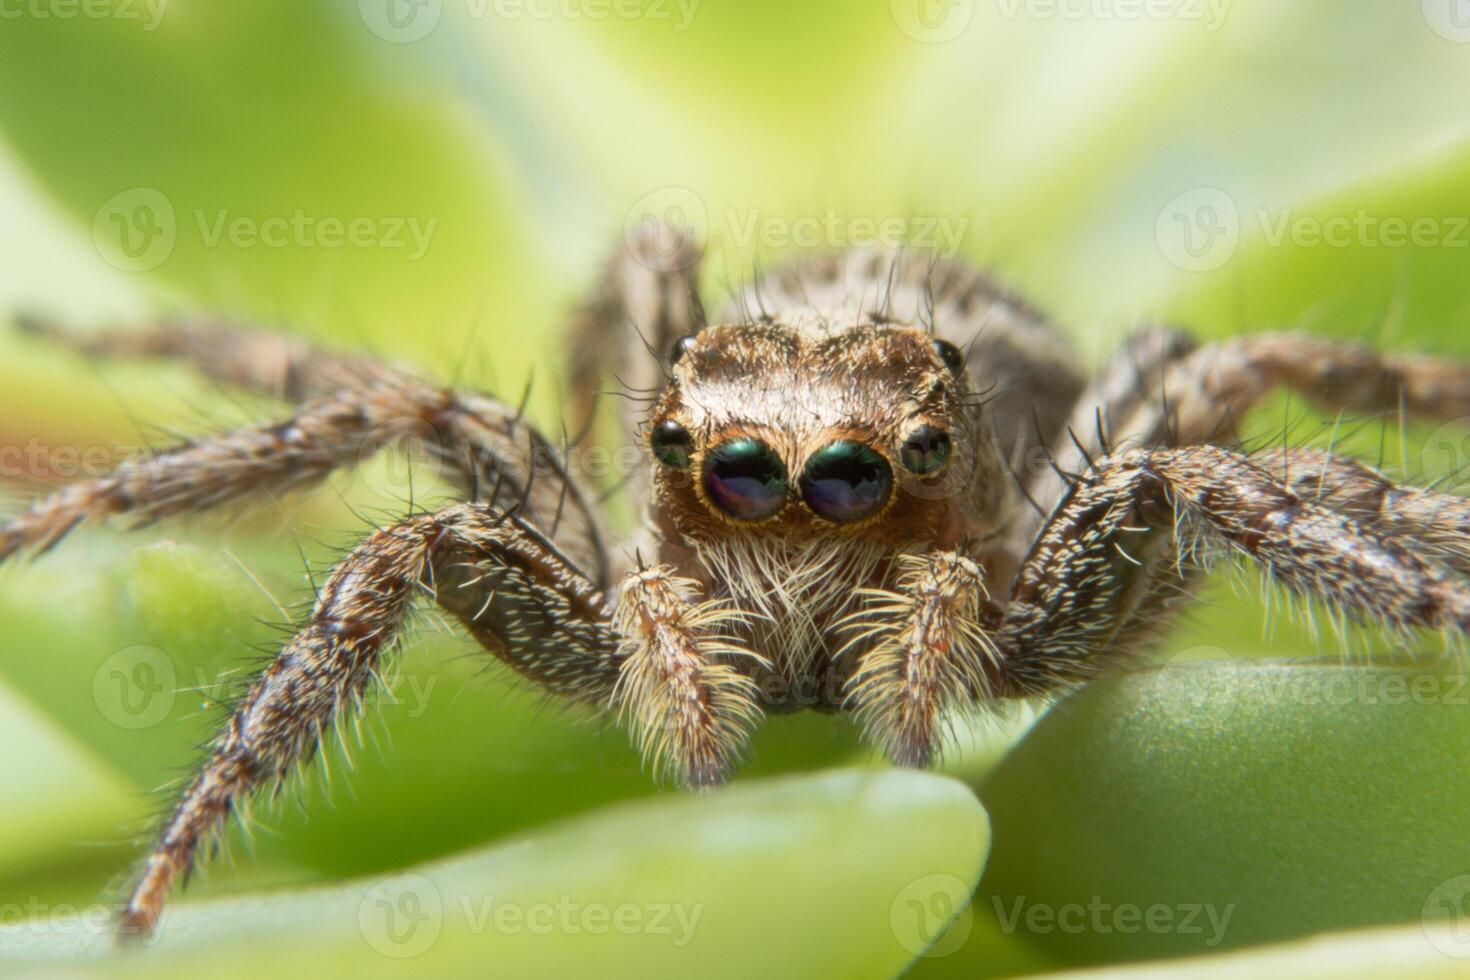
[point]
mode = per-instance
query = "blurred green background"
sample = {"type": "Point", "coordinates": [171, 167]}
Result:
{"type": "Point", "coordinates": [1230, 166]}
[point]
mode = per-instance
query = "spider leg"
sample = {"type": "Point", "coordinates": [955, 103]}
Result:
{"type": "Point", "coordinates": [690, 706]}
{"type": "Point", "coordinates": [1141, 512]}
{"type": "Point", "coordinates": [647, 299]}
{"type": "Point", "coordinates": [1434, 525]}
{"type": "Point", "coordinates": [1129, 380]}
{"type": "Point", "coordinates": [920, 650]}
{"type": "Point", "coordinates": [1163, 388]}
{"type": "Point", "coordinates": [499, 576]}
{"type": "Point", "coordinates": [492, 453]}
{"type": "Point", "coordinates": [272, 364]}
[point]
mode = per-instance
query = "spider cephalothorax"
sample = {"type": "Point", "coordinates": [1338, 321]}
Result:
{"type": "Point", "coordinates": [844, 512]}
{"type": "Point", "coordinates": [795, 462]}
{"type": "Point", "coordinates": [803, 434]}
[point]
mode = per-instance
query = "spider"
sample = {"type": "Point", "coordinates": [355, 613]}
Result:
{"type": "Point", "coordinates": [840, 513]}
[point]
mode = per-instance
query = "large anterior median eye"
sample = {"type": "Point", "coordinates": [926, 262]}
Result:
{"type": "Point", "coordinates": [846, 481]}
{"type": "Point", "coordinates": [745, 479]}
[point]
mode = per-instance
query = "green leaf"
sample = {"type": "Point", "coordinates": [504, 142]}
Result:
{"type": "Point", "coordinates": [242, 144]}
{"type": "Point", "coordinates": [1236, 803]}
{"type": "Point", "coordinates": [53, 793]}
{"type": "Point", "coordinates": [849, 873]}
{"type": "Point", "coordinates": [1437, 950]}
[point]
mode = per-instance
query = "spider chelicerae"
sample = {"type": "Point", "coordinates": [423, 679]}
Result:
{"type": "Point", "coordinates": [840, 511]}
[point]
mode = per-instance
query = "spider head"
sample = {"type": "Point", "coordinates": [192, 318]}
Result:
{"type": "Point", "coordinates": [769, 429]}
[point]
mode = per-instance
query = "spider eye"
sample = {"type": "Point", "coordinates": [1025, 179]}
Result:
{"type": "Point", "coordinates": [846, 481]}
{"type": "Point", "coordinates": [951, 355]}
{"type": "Point", "coordinates": [745, 479]}
{"type": "Point", "coordinates": [925, 451]}
{"type": "Point", "coordinates": [671, 444]}
{"type": "Point", "coordinates": [681, 346]}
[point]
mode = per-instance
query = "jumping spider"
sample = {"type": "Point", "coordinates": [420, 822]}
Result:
{"type": "Point", "coordinates": [840, 511]}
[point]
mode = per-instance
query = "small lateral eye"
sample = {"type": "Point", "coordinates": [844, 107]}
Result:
{"type": "Point", "coordinates": [925, 451]}
{"type": "Point", "coordinates": [951, 355]}
{"type": "Point", "coordinates": [671, 444]}
{"type": "Point", "coordinates": [681, 346]}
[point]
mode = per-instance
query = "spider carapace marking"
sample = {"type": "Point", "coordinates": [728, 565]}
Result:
{"type": "Point", "coordinates": [845, 511]}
